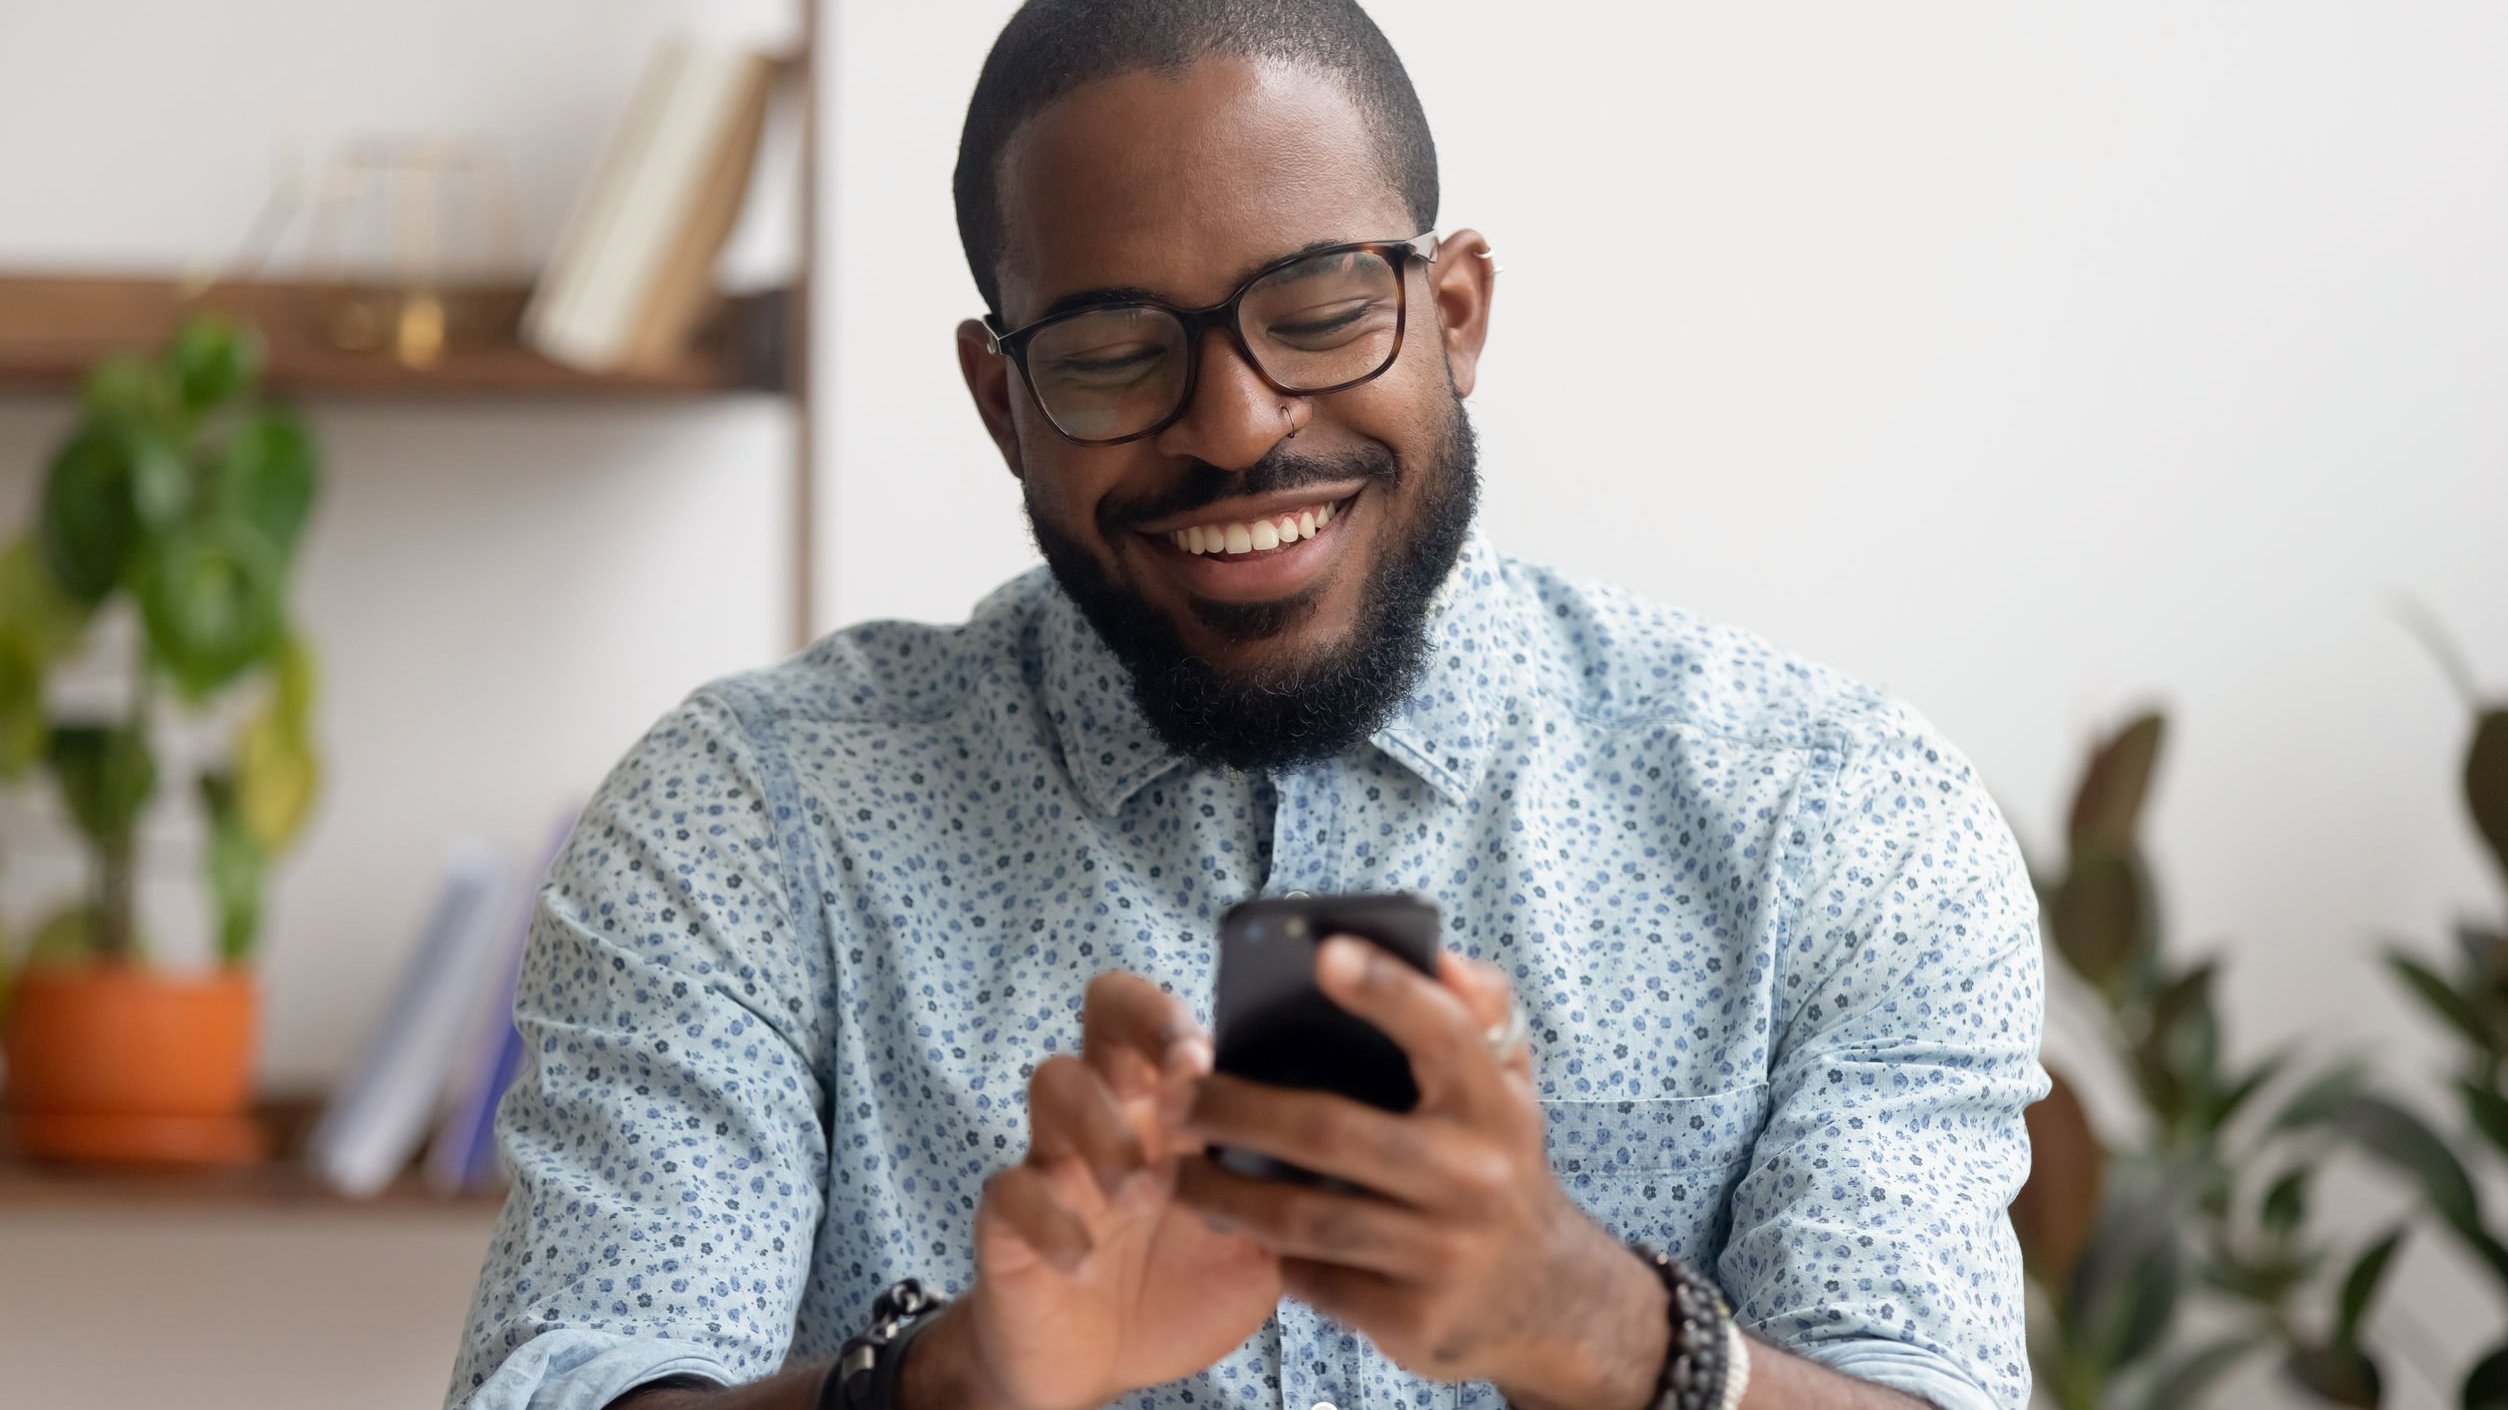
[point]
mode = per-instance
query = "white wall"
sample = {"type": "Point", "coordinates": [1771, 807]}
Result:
{"type": "Point", "coordinates": [2032, 361]}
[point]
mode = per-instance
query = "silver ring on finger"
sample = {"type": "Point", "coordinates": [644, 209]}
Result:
{"type": "Point", "coordinates": [1508, 1038]}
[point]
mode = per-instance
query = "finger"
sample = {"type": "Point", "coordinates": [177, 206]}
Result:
{"type": "Point", "coordinates": [1490, 998]}
{"type": "Point", "coordinates": [1353, 1297]}
{"type": "Point", "coordinates": [1482, 988]}
{"type": "Point", "coordinates": [1128, 1028]}
{"type": "Point", "coordinates": [1426, 1162]}
{"type": "Point", "coordinates": [1428, 1021]}
{"type": "Point", "coordinates": [1071, 1115]}
{"type": "Point", "coordinates": [1298, 1221]}
{"type": "Point", "coordinates": [1019, 1222]}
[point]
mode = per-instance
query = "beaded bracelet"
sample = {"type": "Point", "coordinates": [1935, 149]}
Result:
{"type": "Point", "coordinates": [1707, 1364]}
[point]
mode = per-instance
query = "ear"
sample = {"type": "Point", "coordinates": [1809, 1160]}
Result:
{"type": "Point", "coordinates": [988, 377]}
{"type": "Point", "coordinates": [1460, 281]}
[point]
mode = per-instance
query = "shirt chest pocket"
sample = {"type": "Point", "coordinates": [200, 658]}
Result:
{"type": "Point", "coordinates": [1661, 1170]}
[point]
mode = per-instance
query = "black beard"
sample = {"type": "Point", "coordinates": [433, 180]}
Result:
{"type": "Point", "coordinates": [1328, 702]}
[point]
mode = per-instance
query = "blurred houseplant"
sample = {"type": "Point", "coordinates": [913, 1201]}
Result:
{"type": "Point", "coordinates": [181, 491]}
{"type": "Point", "coordinates": [2207, 1201]}
{"type": "Point", "coordinates": [2468, 994]}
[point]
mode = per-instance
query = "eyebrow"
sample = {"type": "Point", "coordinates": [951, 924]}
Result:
{"type": "Point", "coordinates": [1132, 294]}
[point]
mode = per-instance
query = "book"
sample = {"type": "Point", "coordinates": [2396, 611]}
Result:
{"type": "Point", "coordinates": [375, 1122]}
{"type": "Point", "coordinates": [462, 1154]}
{"type": "Point", "coordinates": [633, 273]}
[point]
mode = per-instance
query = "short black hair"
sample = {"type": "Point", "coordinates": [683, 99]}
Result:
{"type": "Point", "coordinates": [1051, 47]}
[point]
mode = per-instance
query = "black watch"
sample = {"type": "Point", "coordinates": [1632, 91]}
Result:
{"type": "Point", "coordinates": [865, 1374]}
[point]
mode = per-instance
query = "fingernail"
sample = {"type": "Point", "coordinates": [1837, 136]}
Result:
{"type": "Point", "coordinates": [1218, 1225]}
{"type": "Point", "coordinates": [1189, 1056]}
{"type": "Point", "coordinates": [1342, 962]}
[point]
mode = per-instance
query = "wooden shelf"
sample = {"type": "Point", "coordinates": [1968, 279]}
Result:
{"type": "Point", "coordinates": [52, 329]}
{"type": "Point", "coordinates": [281, 1184]}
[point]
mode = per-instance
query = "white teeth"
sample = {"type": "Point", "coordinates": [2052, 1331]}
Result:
{"type": "Point", "coordinates": [1253, 536]}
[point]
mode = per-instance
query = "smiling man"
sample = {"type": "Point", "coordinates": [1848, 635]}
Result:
{"type": "Point", "coordinates": [886, 972]}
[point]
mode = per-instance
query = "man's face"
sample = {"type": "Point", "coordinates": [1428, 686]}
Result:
{"type": "Point", "coordinates": [1178, 187]}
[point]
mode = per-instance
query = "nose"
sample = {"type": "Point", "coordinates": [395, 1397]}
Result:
{"type": "Point", "coordinates": [1234, 417]}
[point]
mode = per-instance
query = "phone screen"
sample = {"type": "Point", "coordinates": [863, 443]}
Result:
{"type": "Point", "coordinates": [1273, 1024]}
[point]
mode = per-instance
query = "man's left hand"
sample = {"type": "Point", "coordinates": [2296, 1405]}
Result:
{"type": "Point", "coordinates": [1465, 1260]}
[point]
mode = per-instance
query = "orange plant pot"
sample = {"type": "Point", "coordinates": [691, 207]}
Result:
{"type": "Point", "coordinates": [115, 1063]}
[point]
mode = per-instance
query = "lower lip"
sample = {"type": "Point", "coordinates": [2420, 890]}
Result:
{"type": "Point", "coordinates": [1258, 577]}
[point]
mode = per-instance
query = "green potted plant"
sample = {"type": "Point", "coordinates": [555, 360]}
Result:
{"type": "Point", "coordinates": [2464, 987]}
{"type": "Point", "coordinates": [2205, 1195]}
{"type": "Point", "coordinates": [182, 494]}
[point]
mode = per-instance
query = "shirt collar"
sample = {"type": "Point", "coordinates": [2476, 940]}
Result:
{"type": "Point", "coordinates": [1441, 731]}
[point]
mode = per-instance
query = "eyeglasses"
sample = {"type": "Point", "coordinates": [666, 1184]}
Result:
{"type": "Point", "coordinates": [1319, 321]}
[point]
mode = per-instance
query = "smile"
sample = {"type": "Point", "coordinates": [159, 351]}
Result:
{"type": "Point", "coordinates": [1251, 536]}
{"type": "Point", "coordinates": [1256, 558]}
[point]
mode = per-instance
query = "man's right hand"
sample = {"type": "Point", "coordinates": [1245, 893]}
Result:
{"type": "Point", "coordinates": [1090, 1280]}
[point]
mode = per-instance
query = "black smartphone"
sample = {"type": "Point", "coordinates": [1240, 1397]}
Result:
{"type": "Point", "coordinates": [1272, 1024]}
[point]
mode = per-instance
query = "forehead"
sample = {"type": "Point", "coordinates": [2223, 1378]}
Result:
{"type": "Point", "coordinates": [1179, 184]}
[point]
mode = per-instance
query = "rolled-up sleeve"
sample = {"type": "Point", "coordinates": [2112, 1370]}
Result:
{"type": "Point", "coordinates": [1871, 1230]}
{"type": "Point", "coordinates": [666, 1136]}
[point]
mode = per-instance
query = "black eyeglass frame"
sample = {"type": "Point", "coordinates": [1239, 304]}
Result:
{"type": "Point", "coordinates": [1223, 314]}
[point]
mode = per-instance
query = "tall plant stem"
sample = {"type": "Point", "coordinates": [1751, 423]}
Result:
{"type": "Point", "coordinates": [117, 869]}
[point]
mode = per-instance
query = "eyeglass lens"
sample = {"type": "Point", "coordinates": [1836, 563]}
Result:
{"type": "Point", "coordinates": [1311, 326]}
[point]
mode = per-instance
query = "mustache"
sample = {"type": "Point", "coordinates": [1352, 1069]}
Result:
{"type": "Point", "coordinates": [1279, 470]}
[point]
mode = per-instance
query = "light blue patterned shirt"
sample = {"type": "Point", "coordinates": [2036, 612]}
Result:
{"type": "Point", "coordinates": [790, 974]}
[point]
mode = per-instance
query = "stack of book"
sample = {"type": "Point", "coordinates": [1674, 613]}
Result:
{"type": "Point", "coordinates": [633, 272]}
{"type": "Point", "coordinates": [446, 1048]}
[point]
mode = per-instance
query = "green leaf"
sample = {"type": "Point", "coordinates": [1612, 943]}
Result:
{"type": "Point", "coordinates": [2341, 1374]}
{"type": "Point", "coordinates": [2150, 1309]}
{"type": "Point", "coordinates": [211, 596]}
{"type": "Point", "coordinates": [23, 728]}
{"type": "Point", "coordinates": [33, 607]}
{"type": "Point", "coordinates": [2441, 998]}
{"type": "Point", "coordinates": [127, 388]}
{"type": "Point", "coordinates": [89, 522]}
{"type": "Point", "coordinates": [2489, 1111]}
{"type": "Point", "coordinates": [2399, 1138]}
{"type": "Point", "coordinates": [276, 776]}
{"type": "Point", "coordinates": [235, 866]}
{"type": "Point", "coordinates": [213, 360]}
{"type": "Point", "coordinates": [2101, 917]}
{"type": "Point", "coordinates": [2486, 781]}
{"type": "Point", "coordinates": [2360, 1287]}
{"type": "Point", "coordinates": [106, 774]}
{"type": "Point", "coordinates": [2180, 1053]}
{"type": "Point", "coordinates": [2285, 1205]}
{"type": "Point", "coordinates": [293, 678]}
{"type": "Point", "coordinates": [2322, 1099]}
{"type": "Point", "coordinates": [2185, 1381]}
{"type": "Point", "coordinates": [266, 477]}
{"type": "Point", "coordinates": [2486, 1385]}
{"type": "Point", "coordinates": [2107, 807]}
{"type": "Point", "coordinates": [2125, 1287]}
{"type": "Point", "coordinates": [2233, 1100]}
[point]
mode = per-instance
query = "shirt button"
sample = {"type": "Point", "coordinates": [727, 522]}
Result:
{"type": "Point", "coordinates": [1300, 896]}
{"type": "Point", "coordinates": [1323, 1405]}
